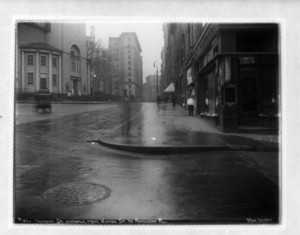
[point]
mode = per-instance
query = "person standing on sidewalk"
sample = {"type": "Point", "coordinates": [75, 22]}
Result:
{"type": "Point", "coordinates": [174, 100]}
{"type": "Point", "coordinates": [191, 103]}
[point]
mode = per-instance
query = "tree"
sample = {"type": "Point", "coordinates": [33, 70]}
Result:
{"type": "Point", "coordinates": [100, 64]}
{"type": "Point", "coordinates": [94, 52]}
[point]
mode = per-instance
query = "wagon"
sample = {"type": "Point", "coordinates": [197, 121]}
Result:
{"type": "Point", "coordinates": [43, 101]}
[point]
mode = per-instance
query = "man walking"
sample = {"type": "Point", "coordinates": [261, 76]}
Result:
{"type": "Point", "coordinates": [191, 103]}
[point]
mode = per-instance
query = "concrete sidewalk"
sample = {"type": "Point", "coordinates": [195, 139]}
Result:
{"type": "Point", "coordinates": [166, 129]}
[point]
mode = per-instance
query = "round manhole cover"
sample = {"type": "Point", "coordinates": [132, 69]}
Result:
{"type": "Point", "coordinates": [74, 194]}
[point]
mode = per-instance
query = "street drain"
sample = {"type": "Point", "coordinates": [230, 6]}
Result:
{"type": "Point", "coordinates": [74, 194]}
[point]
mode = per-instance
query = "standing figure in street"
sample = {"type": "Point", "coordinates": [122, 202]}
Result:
{"type": "Point", "coordinates": [158, 100]}
{"type": "Point", "coordinates": [191, 103]}
{"type": "Point", "coordinates": [125, 118]}
{"type": "Point", "coordinates": [174, 100]}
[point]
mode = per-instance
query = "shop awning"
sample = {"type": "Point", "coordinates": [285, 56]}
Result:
{"type": "Point", "coordinates": [170, 88]}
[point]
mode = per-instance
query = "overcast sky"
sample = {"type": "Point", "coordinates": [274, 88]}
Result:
{"type": "Point", "coordinates": [150, 36]}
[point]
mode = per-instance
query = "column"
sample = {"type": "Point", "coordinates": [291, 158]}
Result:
{"type": "Point", "coordinates": [60, 85]}
{"type": "Point", "coordinates": [23, 71]}
{"type": "Point", "coordinates": [50, 72]}
{"type": "Point", "coordinates": [37, 71]}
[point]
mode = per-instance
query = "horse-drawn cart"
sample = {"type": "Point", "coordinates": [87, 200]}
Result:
{"type": "Point", "coordinates": [43, 100]}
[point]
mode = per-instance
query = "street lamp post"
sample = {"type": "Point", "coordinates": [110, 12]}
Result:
{"type": "Point", "coordinates": [94, 78]}
{"type": "Point", "coordinates": [155, 64]}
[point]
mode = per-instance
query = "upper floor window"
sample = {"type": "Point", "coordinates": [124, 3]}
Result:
{"type": "Point", "coordinates": [30, 60]}
{"type": "Point", "coordinates": [75, 59]}
{"type": "Point", "coordinates": [54, 62]}
{"type": "Point", "coordinates": [43, 60]}
{"type": "Point", "coordinates": [73, 62]}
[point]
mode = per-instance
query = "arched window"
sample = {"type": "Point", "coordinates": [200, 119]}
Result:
{"type": "Point", "coordinates": [75, 59]}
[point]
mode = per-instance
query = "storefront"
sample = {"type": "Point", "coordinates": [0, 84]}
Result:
{"type": "Point", "coordinates": [236, 90]}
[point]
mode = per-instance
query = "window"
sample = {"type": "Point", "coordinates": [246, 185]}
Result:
{"type": "Point", "coordinates": [129, 62]}
{"type": "Point", "coordinates": [54, 80]}
{"type": "Point", "coordinates": [43, 60]}
{"type": "Point", "coordinates": [75, 59]}
{"type": "Point", "coordinates": [30, 78]}
{"type": "Point", "coordinates": [30, 59]}
{"type": "Point", "coordinates": [129, 79]}
{"type": "Point", "coordinates": [129, 68]}
{"type": "Point", "coordinates": [54, 62]}
{"type": "Point", "coordinates": [129, 86]}
{"type": "Point", "coordinates": [129, 57]}
{"type": "Point", "coordinates": [129, 51]}
{"type": "Point", "coordinates": [129, 73]}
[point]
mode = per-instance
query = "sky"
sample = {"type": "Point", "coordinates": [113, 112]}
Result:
{"type": "Point", "coordinates": [150, 36]}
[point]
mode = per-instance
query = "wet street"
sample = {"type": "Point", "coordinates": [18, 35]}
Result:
{"type": "Point", "coordinates": [61, 174]}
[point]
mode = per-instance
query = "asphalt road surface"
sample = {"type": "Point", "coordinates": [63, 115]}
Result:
{"type": "Point", "coordinates": [60, 175]}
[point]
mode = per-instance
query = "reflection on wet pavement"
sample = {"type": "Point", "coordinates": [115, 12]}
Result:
{"type": "Point", "coordinates": [215, 186]}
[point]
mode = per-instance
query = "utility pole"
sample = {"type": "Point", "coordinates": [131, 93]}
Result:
{"type": "Point", "coordinates": [155, 63]}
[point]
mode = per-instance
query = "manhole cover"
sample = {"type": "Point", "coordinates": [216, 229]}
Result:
{"type": "Point", "coordinates": [74, 194]}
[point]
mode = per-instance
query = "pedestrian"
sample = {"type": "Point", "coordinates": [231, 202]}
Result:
{"type": "Point", "coordinates": [158, 103]}
{"type": "Point", "coordinates": [191, 103]}
{"type": "Point", "coordinates": [174, 101]}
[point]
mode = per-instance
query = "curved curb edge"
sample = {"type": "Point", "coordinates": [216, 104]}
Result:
{"type": "Point", "coordinates": [182, 149]}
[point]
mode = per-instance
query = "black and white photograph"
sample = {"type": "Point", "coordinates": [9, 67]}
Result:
{"type": "Point", "coordinates": [148, 122]}
{"type": "Point", "coordinates": [153, 123]}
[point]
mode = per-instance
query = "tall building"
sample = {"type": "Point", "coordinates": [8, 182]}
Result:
{"type": "Point", "coordinates": [230, 69]}
{"type": "Point", "coordinates": [151, 88]}
{"type": "Point", "coordinates": [127, 75]}
{"type": "Point", "coordinates": [52, 56]}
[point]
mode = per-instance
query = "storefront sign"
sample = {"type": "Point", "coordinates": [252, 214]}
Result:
{"type": "Point", "coordinates": [247, 60]}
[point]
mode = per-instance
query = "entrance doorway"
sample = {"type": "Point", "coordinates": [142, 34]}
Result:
{"type": "Point", "coordinates": [248, 98]}
{"type": "Point", "coordinates": [43, 81]}
{"type": "Point", "coordinates": [75, 83]}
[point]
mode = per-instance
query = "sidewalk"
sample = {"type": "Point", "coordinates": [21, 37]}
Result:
{"type": "Point", "coordinates": [167, 129]}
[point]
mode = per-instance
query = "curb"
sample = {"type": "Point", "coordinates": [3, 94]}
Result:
{"type": "Point", "coordinates": [183, 149]}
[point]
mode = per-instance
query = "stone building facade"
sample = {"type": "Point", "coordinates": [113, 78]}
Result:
{"type": "Point", "coordinates": [52, 56]}
{"type": "Point", "coordinates": [151, 88]}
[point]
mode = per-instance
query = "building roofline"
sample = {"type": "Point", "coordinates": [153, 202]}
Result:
{"type": "Point", "coordinates": [40, 46]}
{"type": "Point", "coordinates": [135, 36]}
